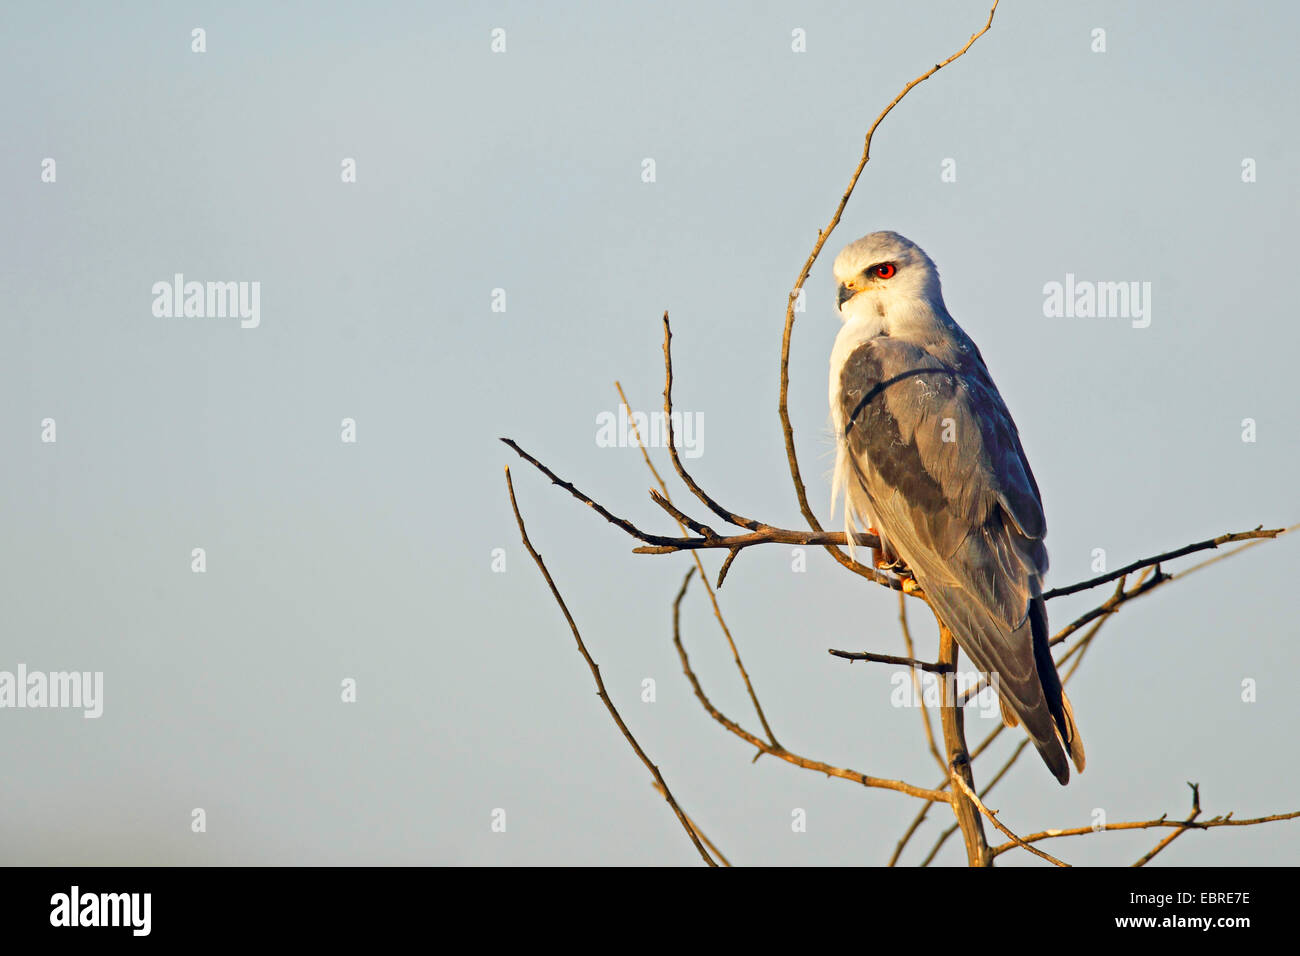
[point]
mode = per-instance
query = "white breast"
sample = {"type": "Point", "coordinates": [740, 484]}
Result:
{"type": "Point", "coordinates": [852, 334]}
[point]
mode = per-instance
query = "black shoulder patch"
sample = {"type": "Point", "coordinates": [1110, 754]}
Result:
{"type": "Point", "coordinates": [871, 429]}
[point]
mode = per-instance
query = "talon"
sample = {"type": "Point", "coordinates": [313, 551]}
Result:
{"type": "Point", "coordinates": [884, 559]}
{"type": "Point", "coordinates": [911, 587]}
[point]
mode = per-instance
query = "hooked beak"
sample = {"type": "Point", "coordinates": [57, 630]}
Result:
{"type": "Point", "coordinates": [845, 294]}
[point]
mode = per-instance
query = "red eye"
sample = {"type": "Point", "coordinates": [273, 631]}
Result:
{"type": "Point", "coordinates": [885, 270]}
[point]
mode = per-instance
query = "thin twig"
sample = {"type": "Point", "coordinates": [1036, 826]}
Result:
{"type": "Point", "coordinates": [713, 848]}
{"type": "Point", "coordinates": [1107, 608]}
{"type": "Point", "coordinates": [766, 534]}
{"type": "Point", "coordinates": [1081, 648]}
{"type": "Point", "coordinates": [916, 681]}
{"type": "Point", "coordinates": [1162, 558]}
{"type": "Point", "coordinates": [890, 658]}
{"type": "Point", "coordinates": [667, 544]}
{"type": "Point", "coordinates": [1160, 822]}
{"type": "Point", "coordinates": [1227, 554]}
{"type": "Point", "coordinates": [1146, 858]}
{"type": "Point", "coordinates": [623, 523]}
{"type": "Point", "coordinates": [600, 683]}
{"type": "Point", "coordinates": [822, 235]}
{"type": "Point", "coordinates": [762, 533]}
{"type": "Point", "coordinates": [724, 513]}
{"type": "Point", "coordinates": [713, 598]}
{"type": "Point", "coordinates": [952, 723]}
{"type": "Point", "coordinates": [781, 752]}
{"type": "Point", "coordinates": [993, 818]}
{"type": "Point", "coordinates": [907, 835]}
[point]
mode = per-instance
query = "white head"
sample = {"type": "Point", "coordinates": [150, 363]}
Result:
{"type": "Point", "coordinates": [885, 274]}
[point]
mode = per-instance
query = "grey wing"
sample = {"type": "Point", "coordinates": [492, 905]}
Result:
{"type": "Point", "coordinates": [937, 454]}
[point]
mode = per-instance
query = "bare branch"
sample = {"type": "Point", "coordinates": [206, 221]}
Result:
{"type": "Point", "coordinates": [698, 832]}
{"type": "Point", "coordinates": [713, 598]}
{"type": "Point", "coordinates": [600, 683]}
{"type": "Point", "coordinates": [1079, 650]}
{"type": "Point", "coordinates": [763, 533]}
{"type": "Point", "coordinates": [613, 519]}
{"type": "Point", "coordinates": [726, 565]}
{"type": "Point", "coordinates": [683, 520]}
{"type": "Point", "coordinates": [891, 659]}
{"type": "Point", "coordinates": [822, 235]}
{"type": "Point", "coordinates": [1166, 556]}
{"type": "Point", "coordinates": [1195, 812]}
{"type": "Point", "coordinates": [781, 752]}
{"type": "Point", "coordinates": [907, 835]}
{"type": "Point", "coordinates": [916, 681]}
{"type": "Point", "coordinates": [708, 539]}
{"type": "Point", "coordinates": [952, 721]}
{"type": "Point", "coordinates": [723, 513]}
{"type": "Point", "coordinates": [1179, 826]}
{"type": "Point", "coordinates": [993, 817]}
{"type": "Point", "coordinates": [766, 534]}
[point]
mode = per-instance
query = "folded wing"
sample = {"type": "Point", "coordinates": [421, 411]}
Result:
{"type": "Point", "coordinates": [935, 463]}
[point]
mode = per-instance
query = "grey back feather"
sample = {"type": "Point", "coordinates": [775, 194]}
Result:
{"type": "Point", "coordinates": [936, 462]}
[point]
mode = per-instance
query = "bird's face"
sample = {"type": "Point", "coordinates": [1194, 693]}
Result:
{"type": "Point", "coordinates": [882, 272]}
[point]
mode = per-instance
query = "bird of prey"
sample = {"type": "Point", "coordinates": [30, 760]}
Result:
{"type": "Point", "coordinates": [929, 458]}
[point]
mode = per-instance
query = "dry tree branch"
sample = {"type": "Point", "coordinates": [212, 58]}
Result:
{"type": "Point", "coordinates": [1144, 585]}
{"type": "Point", "coordinates": [1120, 597]}
{"type": "Point", "coordinates": [815, 765]}
{"type": "Point", "coordinates": [713, 598]}
{"type": "Point", "coordinates": [952, 721]}
{"type": "Point", "coordinates": [1159, 559]}
{"type": "Point", "coordinates": [717, 612]}
{"type": "Point", "coordinates": [766, 534]}
{"type": "Point", "coordinates": [911, 662]}
{"type": "Point", "coordinates": [822, 235]}
{"type": "Point", "coordinates": [1195, 812]}
{"type": "Point", "coordinates": [1162, 821]}
{"type": "Point", "coordinates": [724, 513]}
{"type": "Point", "coordinates": [953, 828]}
{"type": "Point", "coordinates": [993, 817]}
{"type": "Point", "coordinates": [1078, 651]}
{"type": "Point", "coordinates": [916, 680]}
{"type": "Point", "coordinates": [1227, 554]}
{"type": "Point", "coordinates": [761, 533]}
{"type": "Point", "coordinates": [600, 683]}
{"type": "Point", "coordinates": [1099, 613]}
{"type": "Point", "coordinates": [993, 781]}
{"type": "Point", "coordinates": [665, 544]}
{"type": "Point", "coordinates": [1154, 577]}
{"type": "Point", "coordinates": [698, 832]}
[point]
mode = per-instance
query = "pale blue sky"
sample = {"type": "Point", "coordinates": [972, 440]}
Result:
{"type": "Point", "coordinates": [522, 171]}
